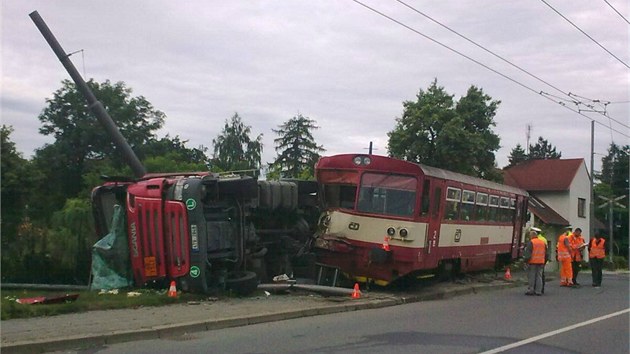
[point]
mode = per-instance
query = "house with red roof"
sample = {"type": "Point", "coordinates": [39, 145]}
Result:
{"type": "Point", "coordinates": [559, 194]}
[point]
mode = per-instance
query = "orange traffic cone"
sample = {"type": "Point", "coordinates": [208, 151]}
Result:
{"type": "Point", "coordinates": [172, 290]}
{"type": "Point", "coordinates": [508, 275]}
{"type": "Point", "coordinates": [385, 244]}
{"type": "Point", "coordinates": [356, 293]}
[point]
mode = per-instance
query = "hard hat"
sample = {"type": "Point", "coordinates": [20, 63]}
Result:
{"type": "Point", "coordinates": [536, 229]}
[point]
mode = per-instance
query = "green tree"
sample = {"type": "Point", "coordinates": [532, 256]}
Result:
{"type": "Point", "coordinates": [542, 150]}
{"type": "Point", "coordinates": [517, 155]}
{"type": "Point", "coordinates": [614, 183]}
{"type": "Point", "coordinates": [172, 155]}
{"type": "Point", "coordinates": [82, 144]}
{"type": "Point", "coordinates": [234, 149]}
{"type": "Point", "coordinates": [17, 177]}
{"type": "Point", "coordinates": [297, 150]}
{"type": "Point", "coordinates": [457, 136]}
{"type": "Point", "coordinates": [14, 185]}
{"type": "Point", "coordinates": [71, 239]}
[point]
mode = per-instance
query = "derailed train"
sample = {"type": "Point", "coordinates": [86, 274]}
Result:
{"type": "Point", "coordinates": [385, 219]}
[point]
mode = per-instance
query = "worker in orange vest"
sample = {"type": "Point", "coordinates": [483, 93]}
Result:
{"type": "Point", "coordinates": [536, 254]}
{"type": "Point", "coordinates": [542, 237]}
{"type": "Point", "coordinates": [564, 258]}
{"type": "Point", "coordinates": [597, 253]}
{"type": "Point", "coordinates": [577, 247]}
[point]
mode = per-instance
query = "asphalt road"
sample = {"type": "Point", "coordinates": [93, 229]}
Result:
{"type": "Point", "coordinates": [583, 320]}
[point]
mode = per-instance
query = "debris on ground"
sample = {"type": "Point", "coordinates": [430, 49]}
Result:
{"type": "Point", "coordinates": [46, 300]}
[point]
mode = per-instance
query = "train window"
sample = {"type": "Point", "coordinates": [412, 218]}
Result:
{"type": "Point", "coordinates": [468, 205]}
{"type": "Point", "coordinates": [481, 209]}
{"type": "Point", "coordinates": [504, 213]}
{"type": "Point", "coordinates": [339, 188]}
{"type": "Point", "coordinates": [426, 193]}
{"type": "Point", "coordinates": [339, 196]}
{"type": "Point", "coordinates": [493, 210]}
{"type": "Point", "coordinates": [453, 198]}
{"type": "Point", "coordinates": [387, 194]}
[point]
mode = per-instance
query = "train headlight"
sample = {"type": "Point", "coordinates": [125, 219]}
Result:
{"type": "Point", "coordinates": [362, 160]}
{"type": "Point", "coordinates": [403, 233]}
{"type": "Point", "coordinates": [391, 231]}
{"type": "Point", "coordinates": [325, 221]}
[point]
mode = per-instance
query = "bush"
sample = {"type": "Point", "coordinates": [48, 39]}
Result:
{"type": "Point", "coordinates": [619, 262]}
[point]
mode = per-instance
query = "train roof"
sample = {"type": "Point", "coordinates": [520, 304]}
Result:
{"type": "Point", "coordinates": [383, 163]}
{"type": "Point", "coordinates": [459, 177]}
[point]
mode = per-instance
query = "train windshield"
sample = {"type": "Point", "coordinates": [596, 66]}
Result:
{"type": "Point", "coordinates": [387, 194]}
{"type": "Point", "coordinates": [340, 188]}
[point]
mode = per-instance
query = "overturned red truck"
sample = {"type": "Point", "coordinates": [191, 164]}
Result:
{"type": "Point", "coordinates": [204, 230]}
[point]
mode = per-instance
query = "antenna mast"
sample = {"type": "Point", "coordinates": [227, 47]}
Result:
{"type": "Point", "coordinates": [528, 134]}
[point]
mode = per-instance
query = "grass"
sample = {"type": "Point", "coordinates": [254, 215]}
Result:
{"type": "Point", "coordinates": [87, 301]}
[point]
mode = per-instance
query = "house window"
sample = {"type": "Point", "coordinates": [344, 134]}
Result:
{"type": "Point", "coordinates": [581, 207]}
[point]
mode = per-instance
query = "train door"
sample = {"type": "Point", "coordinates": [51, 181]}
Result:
{"type": "Point", "coordinates": [435, 218]}
{"type": "Point", "coordinates": [519, 218]}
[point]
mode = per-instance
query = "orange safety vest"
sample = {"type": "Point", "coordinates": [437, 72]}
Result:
{"type": "Point", "coordinates": [597, 249]}
{"type": "Point", "coordinates": [538, 251]}
{"type": "Point", "coordinates": [563, 251]}
{"type": "Point", "coordinates": [576, 242]}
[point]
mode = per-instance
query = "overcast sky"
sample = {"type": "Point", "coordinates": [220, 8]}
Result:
{"type": "Point", "coordinates": [336, 62]}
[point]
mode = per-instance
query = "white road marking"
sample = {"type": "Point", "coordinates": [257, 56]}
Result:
{"type": "Point", "coordinates": [553, 333]}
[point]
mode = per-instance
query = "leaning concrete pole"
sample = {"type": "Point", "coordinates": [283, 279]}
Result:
{"type": "Point", "coordinates": [93, 104]}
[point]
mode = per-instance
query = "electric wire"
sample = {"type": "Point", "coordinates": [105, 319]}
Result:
{"type": "Point", "coordinates": [586, 34]}
{"type": "Point", "coordinates": [504, 59]}
{"type": "Point", "coordinates": [618, 13]}
{"type": "Point", "coordinates": [482, 64]}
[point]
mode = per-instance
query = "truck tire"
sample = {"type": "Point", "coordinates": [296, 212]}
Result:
{"type": "Point", "coordinates": [242, 282]}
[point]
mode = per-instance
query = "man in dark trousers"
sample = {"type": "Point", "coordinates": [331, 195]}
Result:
{"type": "Point", "coordinates": [597, 253]}
{"type": "Point", "coordinates": [542, 237]}
{"type": "Point", "coordinates": [577, 247]}
{"type": "Point", "coordinates": [536, 254]}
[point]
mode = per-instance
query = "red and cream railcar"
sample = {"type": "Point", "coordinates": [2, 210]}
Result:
{"type": "Point", "coordinates": [386, 218]}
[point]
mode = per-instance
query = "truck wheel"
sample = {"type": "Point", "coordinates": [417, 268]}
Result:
{"type": "Point", "coordinates": [242, 282]}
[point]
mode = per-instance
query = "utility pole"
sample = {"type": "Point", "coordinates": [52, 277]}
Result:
{"type": "Point", "coordinates": [591, 206]}
{"type": "Point", "coordinates": [528, 134]}
{"type": "Point", "coordinates": [610, 202]}
{"type": "Point", "coordinates": [370, 148]}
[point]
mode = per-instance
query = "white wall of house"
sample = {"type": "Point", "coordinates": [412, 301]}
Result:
{"type": "Point", "coordinates": [557, 200]}
{"type": "Point", "coordinates": [580, 189]}
{"type": "Point", "coordinates": [565, 203]}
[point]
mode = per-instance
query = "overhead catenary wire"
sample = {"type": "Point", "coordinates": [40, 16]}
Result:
{"type": "Point", "coordinates": [481, 64]}
{"type": "Point", "coordinates": [505, 60]}
{"type": "Point", "coordinates": [586, 34]}
{"type": "Point", "coordinates": [618, 13]}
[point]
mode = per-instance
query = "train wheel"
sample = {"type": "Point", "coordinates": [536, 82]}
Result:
{"type": "Point", "coordinates": [242, 282]}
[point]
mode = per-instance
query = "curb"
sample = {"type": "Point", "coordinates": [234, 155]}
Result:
{"type": "Point", "coordinates": [174, 330]}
